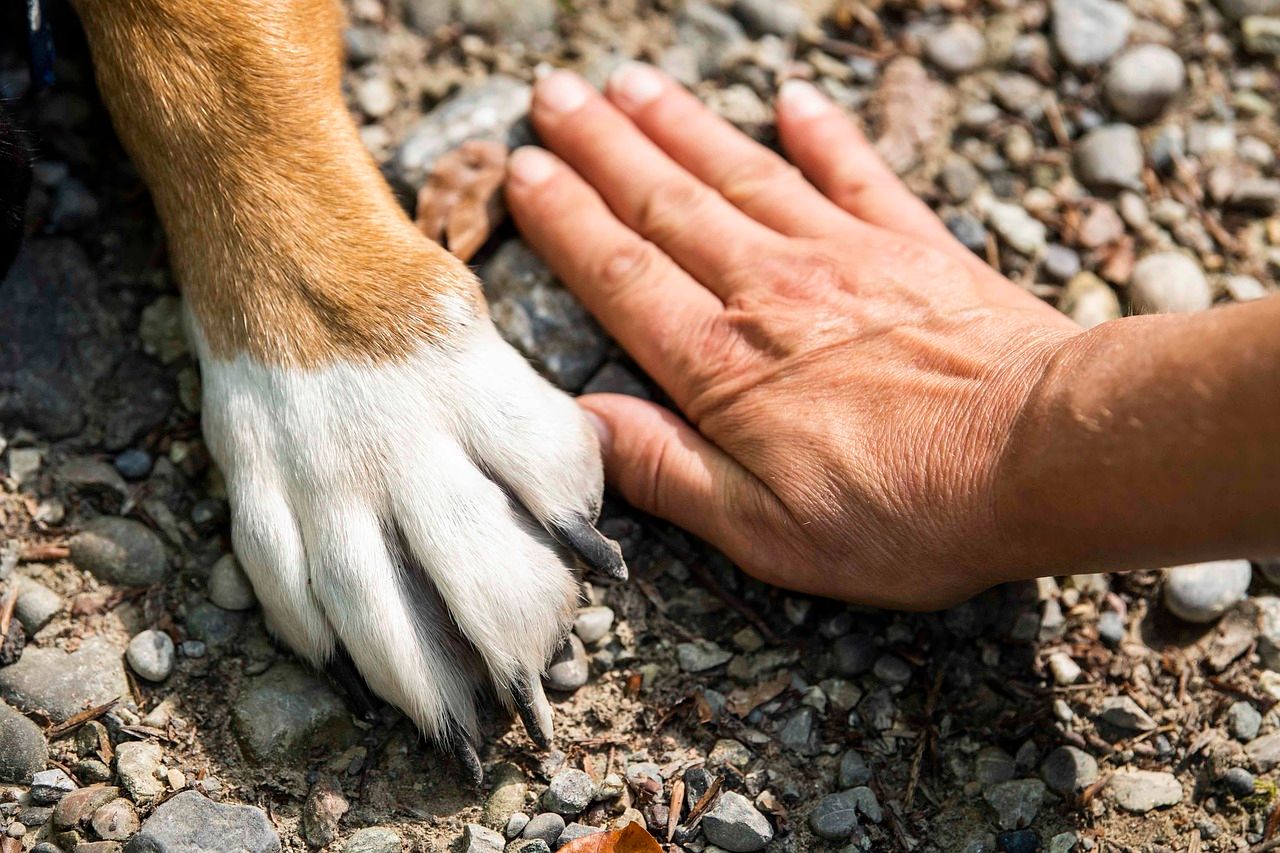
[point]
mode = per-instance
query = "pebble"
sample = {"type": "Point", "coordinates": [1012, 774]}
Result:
{"type": "Point", "coordinates": [136, 764]}
{"type": "Point", "coordinates": [119, 551]}
{"type": "Point", "coordinates": [1018, 841]}
{"type": "Point", "coordinates": [286, 710]}
{"type": "Point", "coordinates": [771, 17]}
{"type": "Point", "coordinates": [507, 797]}
{"type": "Point", "coordinates": [1068, 770]}
{"type": "Point", "coordinates": [1202, 592]}
{"type": "Point", "coordinates": [191, 823]}
{"type": "Point", "coordinates": [93, 480]}
{"type": "Point", "coordinates": [1264, 751]}
{"type": "Point", "coordinates": [1017, 227]}
{"type": "Point", "coordinates": [116, 821]}
{"type": "Point", "coordinates": [569, 793]}
{"type": "Point", "coordinates": [797, 732]}
{"type": "Point", "coordinates": [374, 839]}
{"type": "Point", "coordinates": [734, 824]}
{"type": "Point", "coordinates": [835, 817]}
{"type": "Point", "coordinates": [545, 827]}
{"type": "Point", "coordinates": [1239, 9]}
{"type": "Point", "coordinates": [1243, 721]}
{"type": "Point", "coordinates": [957, 48]}
{"type": "Point", "coordinates": [713, 35]}
{"type": "Point", "coordinates": [1089, 301]}
{"type": "Point", "coordinates": [490, 110]}
{"type": "Point", "coordinates": [701, 655]}
{"type": "Point", "coordinates": [1101, 226]}
{"type": "Point", "coordinates": [892, 670]}
{"type": "Point", "coordinates": [151, 655]}
{"type": "Point", "coordinates": [1142, 81]}
{"type": "Point", "coordinates": [324, 807]}
{"type": "Point", "coordinates": [516, 824]}
{"type": "Point", "coordinates": [1089, 32]}
{"type": "Point", "coordinates": [212, 625]}
{"type": "Point", "coordinates": [1261, 34]}
{"type": "Point", "coordinates": [592, 624]}
{"type": "Point", "coordinates": [1169, 283]}
{"type": "Point", "coordinates": [36, 605]}
{"type": "Point", "coordinates": [1111, 628]}
{"type": "Point", "coordinates": [1060, 263]}
{"type": "Point", "coordinates": [1064, 669]}
{"type": "Point", "coordinates": [49, 786]}
{"type": "Point", "coordinates": [1239, 782]}
{"type": "Point", "coordinates": [1140, 791]}
{"type": "Point", "coordinates": [529, 845]}
{"type": "Point", "coordinates": [1124, 713]}
{"type": "Point", "coordinates": [574, 831]}
{"type": "Point", "coordinates": [569, 669]}
{"type": "Point", "coordinates": [23, 749]}
{"type": "Point", "coordinates": [993, 765]}
{"type": "Point", "coordinates": [60, 685]}
{"type": "Point", "coordinates": [229, 587]}
{"type": "Point", "coordinates": [969, 231]}
{"type": "Point", "coordinates": [79, 806]}
{"type": "Point", "coordinates": [481, 839]}
{"type": "Point", "coordinates": [1110, 157]}
{"type": "Point", "coordinates": [1015, 802]}
{"type": "Point", "coordinates": [1244, 288]}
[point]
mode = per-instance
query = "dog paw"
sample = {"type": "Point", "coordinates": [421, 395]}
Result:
{"type": "Point", "coordinates": [421, 516]}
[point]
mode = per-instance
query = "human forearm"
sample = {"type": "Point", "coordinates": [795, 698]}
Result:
{"type": "Point", "coordinates": [1151, 441]}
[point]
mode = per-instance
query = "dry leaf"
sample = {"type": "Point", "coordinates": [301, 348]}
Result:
{"type": "Point", "coordinates": [743, 702]}
{"type": "Point", "coordinates": [461, 202]}
{"type": "Point", "coordinates": [632, 838]}
{"type": "Point", "coordinates": [914, 114]}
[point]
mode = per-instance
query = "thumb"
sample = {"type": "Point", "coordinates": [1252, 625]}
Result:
{"type": "Point", "coordinates": [664, 467]}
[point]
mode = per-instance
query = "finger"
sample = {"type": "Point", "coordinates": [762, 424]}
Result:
{"type": "Point", "coordinates": [649, 192]}
{"type": "Point", "coordinates": [756, 180]}
{"type": "Point", "coordinates": [651, 306]}
{"type": "Point", "coordinates": [664, 467]}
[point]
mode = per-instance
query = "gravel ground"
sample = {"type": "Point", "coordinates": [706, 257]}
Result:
{"type": "Point", "coordinates": [1114, 159]}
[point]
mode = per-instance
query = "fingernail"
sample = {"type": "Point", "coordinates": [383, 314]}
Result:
{"type": "Point", "coordinates": [635, 84]}
{"type": "Point", "coordinates": [562, 91]}
{"type": "Point", "coordinates": [531, 166]}
{"type": "Point", "coordinates": [802, 100]}
{"type": "Point", "coordinates": [603, 433]}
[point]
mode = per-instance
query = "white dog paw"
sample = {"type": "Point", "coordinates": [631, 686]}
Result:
{"type": "Point", "coordinates": [420, 516]}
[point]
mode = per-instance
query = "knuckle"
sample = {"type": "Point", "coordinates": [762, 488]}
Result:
{"type": "Point", "coordinates": [637, 261]}
{"type": "Point", "coordinates": [749, 180]}
{"type": "Point", "coordinates": [668, 208]}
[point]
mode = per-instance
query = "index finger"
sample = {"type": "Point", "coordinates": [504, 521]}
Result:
{"type": "Point", "coordinates": [655, 309]}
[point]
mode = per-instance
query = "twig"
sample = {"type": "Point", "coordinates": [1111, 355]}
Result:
{"type": "Point", "coordinates": [42, 552]}
{"type": "Point", "coordinates": [76, 721]}
{"type": "Point", "coordinates": [917, 757]}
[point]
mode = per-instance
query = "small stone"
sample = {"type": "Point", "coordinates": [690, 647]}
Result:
{"type": "Point", "coordinates": [734, 824]}
{"type": "Point", "coordinates": [569, 669]}
{"type": "Point", "coordinates": [1239, 782]}
{"type": "Point", "coordinates": [136, 764]}
{"type": "Point", "coordinates": [36, 605]}
{"type": "Point", "coordinates": [507, 797]}
{"type": "Point", "coordinates": [1167, 283]}
{"type": "Point", "coordinates": [1089, 301]}
{"type": "Point", "coordinates": [1239, 9]}
{"type": "Point", "coordinates": [545, 827]}
{"type": "Point", "coordinates": [1261, 34]}
{"type": "Point", "coordinates": [853, 770]}
{"type": "Point", "coordinates": [151, 655]}
{"type": "Point", "coordinates": [1243, 721]}
{"type": "Point", "coordinates": [160, 330]}
{"type": "Point", "coordinates": [853, 654]}
{"type": "Point", "coordinates": [593, 623]}
{"type": "Point", "coordinates": [375, 96]}
{"type": "Point", "coordinates": [1122, 712]}
{"type": "Point", "coordinates": [574, 831]}
{"type": "Point", "coordinates": [1140, 791]}
{"type": "Point", "coordinates": [481, 839]}
{"type": "Point", "coordinates": [797, 732]}
{"type": "Point", "coordinates": [701, 655]}
{"type": "Point", "coordinates": [133, 464]}
{"type": "Point", "coordinates": [1264, 751]}
{"type": "Point", "coordinates": [116, 821]}
{"type": "Point", "coordinates": [229, 588]}
{"type": "Point", "coordinates": [993, 765]}
{"type": "Point", "coordinates": [1142, 81]}
{"type": "Point", "coordinates": [1101, 226]}
{"type": "Point", "coordinates": [1089, 32]}
{"type": "Point", "coordinates": [516, 824]}
{"type": "Point", "coordinates": [712, 34]}
{"type": "Point", "coordinates": [491, 110]}
{"type": "Point", "coordinates": [60, 685]}
{"type": "Point", "coordinates": [1060, 263]}
{"type": "Point", "coordinates": [374, 839]}
{"type": "Point", "coordinates": [1018, 841]}
{"type": "Point", "coordinates": [1244, 288]}
{"type": "Point", "coordinates": [1111, 628]}
{"type": "Point", "coordinates": [286, 710]}
{"type": "Point", "coordinates": [324, 807]}
{"type": "Point", "coordinates": [957, 48]}
{"type": "Point", "coordinates": [726, 752]}
{"type": "Point", "coordinates": [49, 786]}
{"type": "Point", "coordinates": [1015, 802]}
{"type": "Point", "coordinates": [213, 625]}
{"type": "Point", "coordinates": [92, 770]}
{"type": "Point", "coordinates": [1064, 669]}
{"type": "Point", "coordinates": [892, 670]}
{"type": "Point", "coordinates": [968, 231]}
{"type": "Point", "coordinates": [529, 845]}
{"type": "Point", "coordinates": [1110, 157]}
{"type": "Point", "coordinates": [1017, 227]}
{"type": "Point", "coordinates": [191, 823]}
{"type": "Point", "coordinates": [569, 793]}
{"type": "Point", "coordinates": [119, 551]}
{"type": "Point", "coordinates": [93, 480]}
{"type": "Point", "coordinates": [1068, 770]}
{"type": "Point", "coordinates": [771, 17]}
{"type": "Point", "coordinates": [835, 817]}
{"type": "Point", "coordinates": [1201, 593]}
{"type": "Point", "coordinates": [867, 803]}
{"type": "Point", "coordinates": [23, 750]}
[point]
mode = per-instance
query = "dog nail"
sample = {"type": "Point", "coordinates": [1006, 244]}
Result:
{"type": "Point", "coordinates": [600, 554]}
{"type": "Point", "coordinates": [534, 710]}
{"type": "Point", "coordinates": [468, 761]}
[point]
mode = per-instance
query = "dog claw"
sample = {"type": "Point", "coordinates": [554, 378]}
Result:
{"type": "Point", "coordinates": [600, 554]}
{"type": "Point", "coordinates": [534, 710]}
{"type": "Point", "coordinates": [468, 761]}
{"type": "Point", "coordinates": [362, 700]}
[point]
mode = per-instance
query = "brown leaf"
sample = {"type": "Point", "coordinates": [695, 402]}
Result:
{"type": "Point", "coordinates": [743, 702]}
{"type": "Point", "coordinates": [461, 202]}
{"type": "Point", "coordinates": [630, 839]}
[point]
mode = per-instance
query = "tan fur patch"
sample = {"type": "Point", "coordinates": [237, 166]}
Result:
{"type": "Point", "coordinates": [286, 240]}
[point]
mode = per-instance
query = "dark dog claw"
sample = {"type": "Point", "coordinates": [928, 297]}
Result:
{"type": "Point", "coordinates": [534, 710]}
{"type": "Point", "coordinates": [598, 553]}
{"type": "Point", "coordinates": [468, 761]}
{"type": "Point", "coordinates": [361, 699]}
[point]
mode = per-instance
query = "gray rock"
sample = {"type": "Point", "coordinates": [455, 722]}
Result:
{"type": "Point", "coordinates": [574, 831]}
{"type": "Point", "coordinates": [1109, 157]}
{"type": "Point", "coordinates": [151, 655]}
{"type": "Point", "coordinates": [545, 827]}
{"type": "Point", "coordinates": [490, 110]}
{"type": "Point", "coordinates": [212, 625]}
{"type": "Point", "coordinates": [36, 605]}
{"type": "Point", "coordinates": [1256, 194]}
{"type": "Point", "coordinates": [734, 824]}
{"type": "Point", "coordinates": [374, 839]}
{"type": "Point", "coordinates": [1142, 81]}
{"type": "Point", "coordinates": [1264, 751]}
{"type": "Point", "coordinates": [1089, 32]}
{"type": "Point", "coordinates": [992, 765]}
{"type": "Point", "coordinates": [1016, 227]}
{"type": "Point", "coordinates": [1015, 802]}
{"type": "Point", "coordinates": [1239, 9]}
{"type": "Point", "coordinates": [835, 817]}
{"type": "Point", "coordinates": [701, 655]}
{"type": "Point", "coordinates": [853, 770]}
{"type": "Point", "coordinates": [504, 19]}
{"type": "Point", "coordinates": [120, 551]}
{"type": "Point", "coordinates": [771, 17]}
{"type": "Point", "coordinates": [229, 588]}
{"type": "Point", "coordinates": [1140, 791]}
{"type": "Point", "coordinates": [60, 685]}
{"type": "Point", "coordinates": [957, 48]}
{"type": "Point", "coordinates": [93, 480]}
{"type": "Point", "coordinates": [538, 316]}
{"type": "Point", "coordinates": [968, 230]}
{"type": "Point", "coordinates": [79, 806]}
{"type": "Point", "coordinates": [507, 797]}
{"type": "Point", "coordinates": [1261, 34]}
{"type": "Point", "coordinates": [23, 750]}
{"type": "Point", "coordinates": [797, 732]}
{"type": "Point", "coordinates": [569, 669]}
{"type": "Point", "coordinates": [136, 764]}
{"type": "Point", "coordinates": [1243, 721]}
{"type": "Point", "coordinates": [481, 839]}
{"type": "Point", "coordinates": [1068, 770]}
{"type": "Point", "coordinates": [1201, 593]}
{"type": "Point", "coordinates": [592, 624]}
{"type": "Point", "coordinates": [868, 805]}
{"type": "Point", "coordinates": [116, 821]}
{"type": "Point", "coordinates": [714, 36]}
{"type": "Point", "coordinates": [324, 807]}
{"type": "Point", "coordinates": [1089, 301]}
{"type": "Point", "coordinates": [192, 823]}
{"type": "Point", "coordinates": [284, 711]}
{"type": "Point", "coordinates": [1122, 712]}
{"type": "Point", "coordinates": [569, 793]}
{"type": "Point", "coordinates": [1169, 282]}
{"type": "Point", "coordinates": [49, 786]}
{"type": "Point", "coordinates": [853, 654]}
{"type": "Point", "coordinates": [960, 179]}
{"type": "Point", "coordinates": [1060, 263]}
{"type": "Point", "coordinates": [892, 669]}
{"type": "Point", "coordinates": [516, 824]}
{"type": "Point", "coordinates": [133, 464]}
{"type": "Point", "coordinates": [1239, 782]}
{"type": "Point", "coordinates": [74, 207]}
{"type": "Point", "coordinates": [529, 845]}
{"type": "Point", "coordinates": [1111, 628]}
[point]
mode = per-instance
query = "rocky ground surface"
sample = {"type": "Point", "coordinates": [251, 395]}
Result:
{"type": "Point", "coordinates": [1112, 158]}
